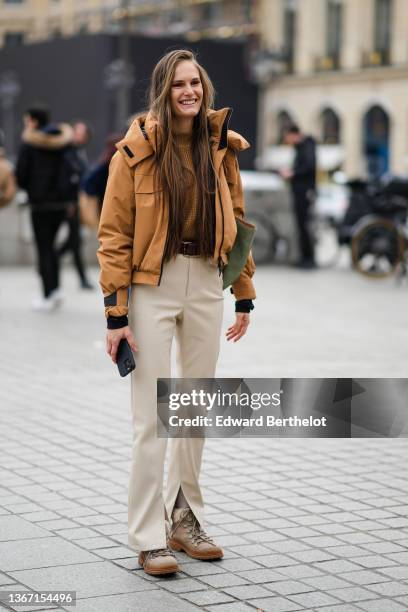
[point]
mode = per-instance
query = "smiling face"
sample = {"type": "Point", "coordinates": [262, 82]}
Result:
{"type": "Point", "coordinates": [186, 92]}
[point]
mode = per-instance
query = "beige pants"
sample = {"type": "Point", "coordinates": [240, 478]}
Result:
{"type": "Point", "coordinates": [187, 305]}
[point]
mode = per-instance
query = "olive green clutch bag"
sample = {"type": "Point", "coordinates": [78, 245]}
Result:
{"type": "Point", "coordinates": [238, 255]}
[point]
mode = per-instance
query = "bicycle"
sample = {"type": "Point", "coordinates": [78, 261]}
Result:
{"type": "Point", "coordinates": [379, 241]}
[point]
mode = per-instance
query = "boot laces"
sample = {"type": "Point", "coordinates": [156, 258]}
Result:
{"type": "Point", "coordinates": [160, 552]}
{"type": "Point", "coordinates": [198, 534]}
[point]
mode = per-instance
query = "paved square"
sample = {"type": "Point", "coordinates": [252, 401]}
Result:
{"type": "Point", "coordinates": [306, 524]}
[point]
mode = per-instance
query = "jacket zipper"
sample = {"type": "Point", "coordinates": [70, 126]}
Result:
{"type": "Point", "coordinates": [220, 262]}
{"type": "Point", "coordinates": [164, 250]}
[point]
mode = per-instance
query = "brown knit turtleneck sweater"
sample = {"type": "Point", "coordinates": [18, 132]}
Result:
{"type": "Point", "coordinates": [184, 144]}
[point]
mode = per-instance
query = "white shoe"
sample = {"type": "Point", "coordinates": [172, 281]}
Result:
{"type": "Point", "coordinates": [57, 296]}
{"type": "Point", "coordinates": [44, 304]}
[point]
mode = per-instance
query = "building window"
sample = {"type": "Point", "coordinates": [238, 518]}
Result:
{"type": "Point", "coordinates": [284, 120]}
{"type": "Point", "coordinates": [330, 127]}
{"type": "Point", "coordinates": [334, 32]}
{"type": "Point", "coordinates": [376, 138]}
{"type": "Point", "coordinates": [382, 31]}
{"type": "Point", "coordinates": [289, 32]}
{"type": "Point", "coordinates": [247, 11]}
{"type": "Point", "coordinates": [13, 39]}
{"type": "Point", "coordinates": [204, 14]}
{"type": "Point", "coordinates": [211, 14]}
{"type": "Point", "coordinates": [176, 15]}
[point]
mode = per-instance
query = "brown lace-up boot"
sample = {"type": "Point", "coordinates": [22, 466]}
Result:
{"type": "Point", "coordinates": [158, 561]}
{"type": "Point", "coordinates": [186, 534]}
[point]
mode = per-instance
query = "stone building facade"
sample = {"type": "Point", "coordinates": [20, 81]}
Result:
{"type": "Point", "coordinates": [27, 21]}
{"type": "Point", "coordinates": [342, 75]}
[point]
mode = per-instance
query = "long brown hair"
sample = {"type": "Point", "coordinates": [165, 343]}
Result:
{"type": "Point", "coordinates": [170, 171]}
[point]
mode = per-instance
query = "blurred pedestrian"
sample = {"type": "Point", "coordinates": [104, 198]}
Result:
{"type": "Point", "coordinates": [79, 161]}
{"type": "Point", "coordinates": [8, 186]}
{"type": "Point", "coordinates": [167, 227]}
{"type": "Point", "coordinates": [44, 171]}
{"type": "Point", "coordinates": [303, 183]}
{"type": "Point", "coordinates": [94, 182]}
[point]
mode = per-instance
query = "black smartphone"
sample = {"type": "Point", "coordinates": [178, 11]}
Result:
{"type": "Point", "coordinates": [124, 358]}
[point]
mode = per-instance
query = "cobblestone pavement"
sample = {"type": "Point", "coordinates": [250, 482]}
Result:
{"type": "Point", "coordinates": [306, 524]}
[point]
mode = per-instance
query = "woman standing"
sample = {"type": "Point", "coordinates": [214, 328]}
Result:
{"type": "Point", "coordinates": [167, 225]}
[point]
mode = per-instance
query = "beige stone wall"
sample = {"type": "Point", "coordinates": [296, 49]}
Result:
{"type": "Point", "coordinates": [311, 23]}
{"type": "Point", "coordinates": [310, 40]}
{"type": "Point", "coordinates": [270, 21]}
{"type": "Point", "coordinates": [357, 32]}
{"type": "Point", "coordinates": [400, 26]}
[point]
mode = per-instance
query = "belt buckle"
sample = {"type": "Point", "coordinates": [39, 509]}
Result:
{"type": "Point", "coordinates": [185, 247]}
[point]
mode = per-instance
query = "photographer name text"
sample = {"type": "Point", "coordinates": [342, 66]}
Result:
{"type": "Point", "coordinates": [260, 421]}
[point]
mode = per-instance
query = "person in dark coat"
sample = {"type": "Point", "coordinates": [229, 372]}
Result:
{"type": "Point", "coordinates": [95, 180]}
{"type": "Point", "coordinates": [43, 171]}
{"type": "Point", "coordinates": [303, 183]}
{"type": "Point", "coordinates": [79, 161]}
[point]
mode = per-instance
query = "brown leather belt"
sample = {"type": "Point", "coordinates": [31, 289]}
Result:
{"type": "Point", "coordinates": [189, 248]}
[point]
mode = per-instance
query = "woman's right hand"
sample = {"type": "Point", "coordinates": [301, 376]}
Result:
{"type": "Point", "coordinates": [114, 336]}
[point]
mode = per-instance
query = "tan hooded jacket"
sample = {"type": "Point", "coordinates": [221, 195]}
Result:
{"type": "Point", "coordinates": [133, 230]}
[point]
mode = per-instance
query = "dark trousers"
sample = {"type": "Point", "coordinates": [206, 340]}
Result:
{"type": "Point", "coordinates": [45, 226]}
{"type": "Point", "coordinates": [73, 242]}
{"type": "Point", "coordinates": [302, 207]}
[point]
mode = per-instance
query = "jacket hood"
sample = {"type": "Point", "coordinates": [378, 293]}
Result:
{"type": "Point", "coordinates": [51, 137]}
{"type": "Point", "coordinates": [141, 138]}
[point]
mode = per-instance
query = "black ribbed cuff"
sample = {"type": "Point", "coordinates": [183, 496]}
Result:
{"type": "Point", "coordinates": [244, 306]}
{"type": "Point", "coordinates": [117, 322]}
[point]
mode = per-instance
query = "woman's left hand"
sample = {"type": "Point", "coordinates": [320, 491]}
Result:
{"type": "Point", "coordinates": [236, 331]}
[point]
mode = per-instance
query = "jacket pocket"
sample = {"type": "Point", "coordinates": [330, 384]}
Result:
{"type": "Point", "coordinates": [146, 192]}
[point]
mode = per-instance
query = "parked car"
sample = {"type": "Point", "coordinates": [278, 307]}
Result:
{"type": "Point", "coordinates": [329, 210]}
{"type": "Point", "coordinates": [332, 201]}
{"type": "Point", "coordinates": [268, 206]}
